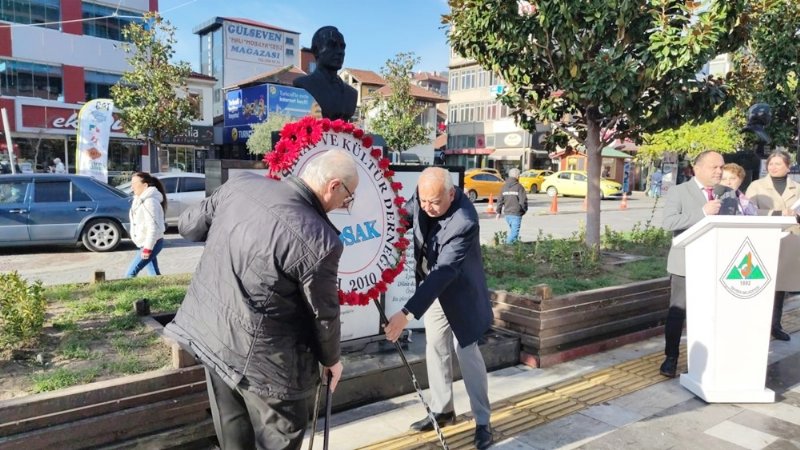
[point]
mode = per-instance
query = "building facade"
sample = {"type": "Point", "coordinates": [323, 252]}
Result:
{"type": "Point", "coordinates": [233, 49]}
{"type": "Point", "coordinates": [482, 132]}
{"type": "Point", "coordinates": [51, 62]}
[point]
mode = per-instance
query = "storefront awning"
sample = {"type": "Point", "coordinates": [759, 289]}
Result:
{"type": "Point", "coordinates": [508, 153]}
{"type": "Point", "coordinates": [469, 151]}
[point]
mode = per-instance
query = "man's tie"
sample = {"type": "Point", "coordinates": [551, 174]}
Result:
{"type": "Point", "coordinates": [709, 193]}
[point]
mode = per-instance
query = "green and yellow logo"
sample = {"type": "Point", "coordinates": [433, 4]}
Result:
{"type": "Point", "coordinates": [745, 275]}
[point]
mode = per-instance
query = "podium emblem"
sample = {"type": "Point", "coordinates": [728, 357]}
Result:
{"type": "Point", "coordinates": [745, 275]}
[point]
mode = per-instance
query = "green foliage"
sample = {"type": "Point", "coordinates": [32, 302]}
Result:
{"type": "Point", "coordinates": [260, 140]}
{"type": "Point", "coordinates": [153, 96]}
{"type": "Point", "coordinates": [61, 378]}
{"type": "Point", "coordinates": [600, 70]}
{"type": "Point", "coordinates": [768, 68]}
{"type": "Point", "coordinates": [22, 309]}
{"type": "Point", "coordinates": [722, 134]}
{"type": "Point", "coordinates": [397, 116]}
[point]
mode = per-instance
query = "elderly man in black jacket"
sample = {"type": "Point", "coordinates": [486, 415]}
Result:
{"type": "Point", "coordinates": [453, 296]}
{"type": "Point", "coordinates": [262, 310]}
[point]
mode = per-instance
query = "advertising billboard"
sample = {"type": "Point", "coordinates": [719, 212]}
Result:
{"type": "Point", "coordinates": [248, 106]}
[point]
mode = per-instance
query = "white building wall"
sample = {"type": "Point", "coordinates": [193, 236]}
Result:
{"type": "Point", "coordinates": [34, 44]}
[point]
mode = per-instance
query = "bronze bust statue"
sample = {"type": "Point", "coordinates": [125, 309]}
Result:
{"type": "Point", "coordinates": [336, 99]}
{"type": "Point", "coordinates": [758, 119]}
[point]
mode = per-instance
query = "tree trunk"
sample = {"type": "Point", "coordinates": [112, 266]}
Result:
{"type": "Point", "coordinates": [593, 171]}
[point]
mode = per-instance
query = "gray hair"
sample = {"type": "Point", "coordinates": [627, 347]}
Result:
{"type": "Point", "coordinates": [439, 175]}
{"type": "Point", "coordinates": [328, 166]}
{"type": "Point", "coordinates": [513, 173]}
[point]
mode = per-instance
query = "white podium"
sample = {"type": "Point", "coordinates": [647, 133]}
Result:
{"type": "Point", "coordinates": [731, 263]}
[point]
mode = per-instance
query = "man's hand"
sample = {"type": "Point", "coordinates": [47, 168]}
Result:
{"type": "Point", "coordinates": [333, 373]}
{"type": "Point", "coordinates": [711, 207]}
{"type": "Point", "coordinates": [393, 329]}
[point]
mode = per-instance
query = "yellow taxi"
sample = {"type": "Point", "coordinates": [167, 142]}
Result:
{"type": "Point", "coordinates": [485, 169]}
{"type": "Point", "coordinates": [574, 183]}
{"type": "Point", "coordinates": [479, 185]}
{"type": "Point", "coordinates": [532, 180]}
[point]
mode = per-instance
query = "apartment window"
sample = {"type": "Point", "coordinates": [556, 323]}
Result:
{"type": "Point", "coordinates": [197, 104]}
{"type": "Point", "coordinates": [490, 141]}
{"type": "Point", "coordinates": [480, 113]}
{"type": "Point", "coordinates": [491, 111]}
{"type": "Point", "coordinates": [98, 84]}
{"type": "Point", "coordinates": [46, 12]}
{"type": "Point", "coordinates": [101, 24]}
{"type": "Point", "coordinates": [482, 78]}
{"type": "Point", "coordinates": [452, 116]}
{"type": "Point", "coordinates": [289, 52]}
{"type": "Point", "coordinates": [454, 81]}
{"type": "Point", "coordinates": [30, 80]}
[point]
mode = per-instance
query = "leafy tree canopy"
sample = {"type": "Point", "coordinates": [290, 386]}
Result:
{"type": "Point", "coordinates": [260, 140]}
{"type": "Point", "coordinates": [722, 134]}
{"type": "Point", "coordinates": [153, 95]}
{"type": "Point", "coordinates": [397, 116]}
{"type": "Point", "coordinates": [622, 67]}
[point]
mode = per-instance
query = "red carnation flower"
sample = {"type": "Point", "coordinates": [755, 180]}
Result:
{"type": "Point", "coordinates": [403, 212]}
{"type": "Point", "coordinates": [367, 141]}
{"type": "Point", "coordinates": [396, 186]}
{"type": "Point", "coordinates": [326, 124]}
{"type": "Point", "coordinates": [363, 300]}
{"type": "Point", "coordinates": [337, 125]}
{"type": "Point", "coordinates": [376, 153]}
{"type": "Point", "coordinates": [387, 275]}
{"type": "Point", "coordinates": [348, 127]}
{"type": "Point", "coordinates": [373, 294]}
{"type": "Point", "coordinates": [381, 286]}
{"type": "Point", "coordinates": [358, 133]}
{"type": "Point", "coordinates": [309, 131]}
{"type": "Point", "coordinates": [399, 201]}
{"type": "Point", "coordinates": [388, 173]}
{"type": "Point", "coordinates": [400, 266]}
{"type": "Point", "coordinates": [401, 230]}
{"type": "Point", "coordinates": [383, 163]}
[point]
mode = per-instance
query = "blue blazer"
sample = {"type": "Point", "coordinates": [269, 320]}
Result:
{"type": "Point", "coordinates": [456, 275]}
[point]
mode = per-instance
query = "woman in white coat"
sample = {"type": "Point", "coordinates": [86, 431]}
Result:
{"type": "Point", "coordinates": [774, 195]}
{"type": "Point", "coordinates": [147, 222]}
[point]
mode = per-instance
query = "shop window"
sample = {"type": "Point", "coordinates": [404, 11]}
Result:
{"type": "Point", "coordinates": [98, 84]}
{"type": "Point", "coordinates": [47, 13]}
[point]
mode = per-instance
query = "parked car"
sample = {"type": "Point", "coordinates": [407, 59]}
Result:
{"type": "Point", "coordinates": [61, 209]}
{"type": "Point", "coordinates": [532, 180]}
{"type": "Point", "coordinates": [184, 189]}
{"type": "Point", "coordinates": [574, 183]}
{"type": "Point", "coordinates": [479, 185]}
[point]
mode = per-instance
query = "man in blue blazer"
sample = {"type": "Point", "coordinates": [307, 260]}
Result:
{"type": "Point", "coordinates": [686, 204]}
{"type": "Point", "coordinates": [453, 296]}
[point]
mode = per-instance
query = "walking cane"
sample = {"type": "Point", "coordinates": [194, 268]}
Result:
{"type": "Point", "coordinates": [328, 398]}
{"type": "Point", "coordinates": [436, 427]}
{"type": "Point", "coordinates": [316, 414]}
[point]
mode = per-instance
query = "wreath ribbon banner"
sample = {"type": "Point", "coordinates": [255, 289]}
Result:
{"type": "Point", "coordinates": [373, 231]}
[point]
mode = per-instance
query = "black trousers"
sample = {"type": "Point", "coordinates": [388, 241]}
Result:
{"type": "Point", "coordinates": [676, 316]}
{"type": "Point", "coordinates": [245, 420]}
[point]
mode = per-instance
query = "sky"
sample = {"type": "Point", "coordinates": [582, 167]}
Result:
{"type": "Point", "coordinates": [374, 30]}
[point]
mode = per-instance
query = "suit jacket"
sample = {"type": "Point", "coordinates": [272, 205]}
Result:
{"type": "Point", "coordinates": [682, 209]}
{"type": "Point", "coordinates": [763, 194]}
{"type": "Point", "coordinates": [456, 276]}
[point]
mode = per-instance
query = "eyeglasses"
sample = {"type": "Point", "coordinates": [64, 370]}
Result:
{"type": "Point", "coordinates": [348, 202]}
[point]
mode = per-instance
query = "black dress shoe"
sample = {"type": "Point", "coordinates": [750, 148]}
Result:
{"type": "Point", "coordinates": [779, 334]}
{"type": "Point", "coordinates": [483, 437]}
{"type": "Point", "coordinates": [441, 418]}
{"type": "Point", "coordinates": [669, 368]}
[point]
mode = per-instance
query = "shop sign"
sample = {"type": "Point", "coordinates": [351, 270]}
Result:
{"type": "Point", "coordinates": [195, 135]}
{"type": "Point", "coordinates": [57, 120]}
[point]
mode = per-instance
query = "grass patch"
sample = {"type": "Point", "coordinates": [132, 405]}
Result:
{"type": "Point", "coordinates": [61, 378]}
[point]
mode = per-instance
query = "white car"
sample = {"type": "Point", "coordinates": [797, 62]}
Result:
{"type": "Point", "coordinates": [184, 189]}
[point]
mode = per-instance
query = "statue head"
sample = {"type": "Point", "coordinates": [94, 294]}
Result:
{"type": "Point", "coordinates": [328, 46]}
{"type": "Point", "coordinates": [758, 118]}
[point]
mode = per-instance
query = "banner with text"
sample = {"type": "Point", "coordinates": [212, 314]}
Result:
{"type": "Point", "coordinates": [94, 129]}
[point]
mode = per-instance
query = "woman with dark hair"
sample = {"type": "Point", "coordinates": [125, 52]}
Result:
{"type": "Point", "coordinates": [147, 222]}
{"type": "Point", "coordinates": [774, 195]}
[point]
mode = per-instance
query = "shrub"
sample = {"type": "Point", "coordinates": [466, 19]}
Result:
{"type": "Point", "coordinates": [22, 309]}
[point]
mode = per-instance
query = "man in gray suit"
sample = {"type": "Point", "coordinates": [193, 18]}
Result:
{"type": "Point", "coordinates": [686, 204]}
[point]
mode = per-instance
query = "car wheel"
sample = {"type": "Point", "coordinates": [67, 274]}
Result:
{"type": "Point", "coordinates": [552, 191]}
{"type": "Point", "coordinates": [472, 196]}
{"type": "Point", "coordinates": [101, 235]}
{"type": "Point", "coordinates": [534, 189]}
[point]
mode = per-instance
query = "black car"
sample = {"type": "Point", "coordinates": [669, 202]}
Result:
{"type": "Point", "coordinates": [62, 209]}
